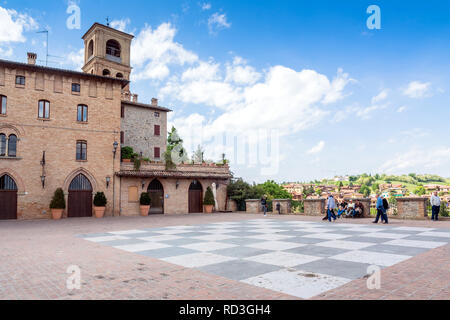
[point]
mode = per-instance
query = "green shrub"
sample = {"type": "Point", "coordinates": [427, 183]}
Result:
{"type": "Point", "coordinates": [127, 153]}
{"type": "Point", "coordinates": [137, 163]}
{"type": "Point", "coordinates": [100, 200]}
{"type": "Point", "coordinates": [444, 211]}
{"type": "Point", "coordinates": [58, 200]}
{"type": "Point", "coordinates": [145, 199]}
{"type": "Point", "coordinates": [209, 198]}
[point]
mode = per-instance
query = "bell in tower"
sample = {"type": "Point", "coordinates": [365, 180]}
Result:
{"type": "Point", "coordinates": [107, 52]}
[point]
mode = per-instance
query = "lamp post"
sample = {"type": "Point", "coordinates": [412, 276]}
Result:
{"type": "Point", "coordinates": [43, 170]}
{"type": "Point", "coordinates": [115, 146]}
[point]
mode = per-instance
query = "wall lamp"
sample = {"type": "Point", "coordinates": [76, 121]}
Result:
{"type": "Point", "coordinates": [43, 170]}
{"type": "Point", "coordinates": [177, 184]}
{"type": "Point", "coordinates": [108, 181]}
{"type": "Point", "coordinates": [115, 146]}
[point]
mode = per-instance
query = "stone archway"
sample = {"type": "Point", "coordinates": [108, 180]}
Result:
{"type": "Point", "coordinates": [156, 192]}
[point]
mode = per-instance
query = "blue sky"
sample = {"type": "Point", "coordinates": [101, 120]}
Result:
{"type": "Point", "coordinates": [335, 97]}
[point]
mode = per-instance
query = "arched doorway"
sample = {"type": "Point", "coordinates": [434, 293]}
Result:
{"type": "Point", "coordinates": [8, 198]}
{"type": "Point", "coordinates": [156, 192]}
{"type": "Point", "coordinates": [80, 197]}
{"type": "Point", "coordinates": [195, 197]}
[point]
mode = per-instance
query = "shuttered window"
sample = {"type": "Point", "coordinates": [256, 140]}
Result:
{"type": "Point", "coordinates": [157, 153]}
{"type": "Point", "coordinates": [157, 130]}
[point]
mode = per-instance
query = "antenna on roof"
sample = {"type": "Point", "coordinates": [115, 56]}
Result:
{"type": "Point", "coordinates": [107, 21]}
{"type": "Point", "coordinates": [46, 58]}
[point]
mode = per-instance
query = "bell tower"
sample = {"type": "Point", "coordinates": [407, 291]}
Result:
{"type": "Point", "coordinates": [107, 52]}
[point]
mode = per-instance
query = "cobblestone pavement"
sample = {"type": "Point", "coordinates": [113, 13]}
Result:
{"type": "Point", "coordinates": [35, 255]}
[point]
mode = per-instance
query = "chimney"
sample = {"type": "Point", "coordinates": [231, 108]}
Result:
{"type": "Point", "coordinates": [154, 102]}
{"type": "Point", "coordinates": [32, 58]}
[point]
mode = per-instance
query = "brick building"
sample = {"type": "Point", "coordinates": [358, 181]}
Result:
{"type": "Point", "coordinates": [65, 129]}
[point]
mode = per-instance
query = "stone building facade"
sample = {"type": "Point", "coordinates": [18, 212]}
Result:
{"type": "Point", "coordinates": [144, 127]}
{"type": "Point", "coordinates": [64, 129]}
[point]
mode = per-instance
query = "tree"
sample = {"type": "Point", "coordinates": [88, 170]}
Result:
{"type": "Point", "coordinates": [58, 200]}
{"type": "Point", "coordinates": [198, 155]}
{"type": "Point", "coordinates": [275, 191]}
{"type": "Point", "coordinates": [420, 191]}
{"type": "Point", "coordinates": [365, 190]}
{"type": "Point", "coordinates": [209, 198]}
{"type": "Point", "coordinates": [175, 153]}
{"type": "Point", "coordinates": [375, 187]}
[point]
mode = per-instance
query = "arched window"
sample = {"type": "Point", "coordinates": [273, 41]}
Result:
{"type": "Point", "coordinates": [82, 113]}
{"type": "Point", "coordinates": [2, 104]}
{"type": "Point", "coordinates": [113, 48]}
{"type": "Point", "coordinates": [12, 146]}
{"type": "Point", "coordinates": [2, 145]}
{"type": "Point", "coordinates": [91, 49]}
{"type": "Point", "coordinates": [7, 183]}
{"type": "Point", "coordinates": [119, 75]}
{"type": "Point", "coordinates": [106, 73]}
{"type": "Point", "coordinates": [44, 109]}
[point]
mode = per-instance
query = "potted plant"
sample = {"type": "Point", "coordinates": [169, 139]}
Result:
{"type": "Point", "coordinates": [58, 204]}
{"type": "Point", "coordinates": [127, 154]}
{"type": "Point", "coordinates": [100, 204]}
{"type": "Point", "coordinates": [209, 202]}
{"type": "Point", "coordinates": [145, 203]}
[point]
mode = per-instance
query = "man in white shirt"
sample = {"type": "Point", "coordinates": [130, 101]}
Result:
{"type": "Point", "coordinates": [435, 206]}
{"type": "Point", "coordinates": [331, 205]}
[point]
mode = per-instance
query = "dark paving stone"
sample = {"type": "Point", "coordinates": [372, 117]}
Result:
{"type": "Point", "coordinates": [426, 238]}
{"type": "Point", "coordinates": [116, 243]}
{"type": "Point", "coordinates": [166, 252]}
{"type": "Point", "coordinates": [343, 269]}
{"type": "Point", "coordinates": [241, 252]}
{"type": "Point", "coordinates": [239, 269]}
{"type": "Point", "coordinates": [240, 241]}
{"type": "Point", "coordinates": [305, 240]}
{"type": "Point", "coordinates": [367, 239]}
{"type": "Point", "coordinates": [317, 251]}
{"type": "Point", "coordinates": [387, 248]}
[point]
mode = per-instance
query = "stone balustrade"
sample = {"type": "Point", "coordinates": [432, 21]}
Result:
{"type": "Point", "coordinates": [412, 208]}
{"type": "Point", "coordinates": [285, 206]}
{"type": "Point", "coordinates": [253, 206]}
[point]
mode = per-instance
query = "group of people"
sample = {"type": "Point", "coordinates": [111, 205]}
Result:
{"type": "Point", "coordinates": [344, 209]}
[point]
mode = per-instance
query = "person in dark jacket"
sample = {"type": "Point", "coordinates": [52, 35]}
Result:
{"type": "Point", "coordinates": [264, 205]}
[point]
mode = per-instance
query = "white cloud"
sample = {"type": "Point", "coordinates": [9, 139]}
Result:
{"type": "Point", "coordinates": [402, 109]}
{"type": "Point", "coordinates": [419, 160]}
{"type": "Point", "coordinates": [417, 89]}
{"type": "Point", "coordinates": [336, 87]}
{"type": "Point", "coordinates": [120, 24]}
{"type": "Point", "coordinates": [380, 97]}
{"type": "Point", "coordinates": [13, 25]}
{"type": "Point", "coordinates": [218, 22]}
{"type": "Point", "coordinates": [206, 6]}
{"type": "Point", "coordinates": [317, 149]}
{"type": "Point", "coordinates": [76, 58]}
{"type": "Point", "coordinates": [240, 73]}
{"type": "Point", "coordinates": [154, 51]}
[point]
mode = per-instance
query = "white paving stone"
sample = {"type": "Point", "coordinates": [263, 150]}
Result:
{"type": "Point", "coordinates": [166, 237]}
{"type": "Point", "coordinates": [283, 259]}
{"type": "Point", "coordinates": [127, 232]}
{"type": "Point", "coordinates": [296, 283]}
{"type": "Point", "coordinates": [418, 229]}
{"type": "Point", "coordinates": [197, 260]}
{"type": "Point", "coordinates": [327, 236]}
{"type": "Point", "coordinates": [373, 258]}
{"type": "Point", "coordinates": [145, 246]}
{"type": "Point", "coordinates": [386, 235]}
{"type": "Point", "coordinates": [214, 237]}
{"type": "Point", "coordinates": [275, 245]}
{"type": "Point", "coordinates": [267, 230]}
{"type": "Point", "coordinates": [268, 236]}
{"type": "Point", "coordinates": [347, 245]}
{"type": "Point", "coordinates": [435, 234]}
{"type": "Point", "coordinates": [208, 246]}
{"type": "Point", "coordinates": [106, 238]}
{"type": "Point", "coordinates": [416, 243]}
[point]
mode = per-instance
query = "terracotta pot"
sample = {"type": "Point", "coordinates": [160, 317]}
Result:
{"type": "Point", "coordinates": [126, 160]}
{"type": "Point", "coordinates": [208, 208]}
{"type": "Point", "coordinates": [99, 212]}
{"type": "Point", "coordinates": [57, 214]}
{"type": "Point", "coordinates": [144, 210]}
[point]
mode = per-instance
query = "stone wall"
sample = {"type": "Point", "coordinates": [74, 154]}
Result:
{"type": "Point", "coordinates": [176, 194]}
{"type": "Point", "coordinates": [253, 206]}
{"type": "Point", "coordinates": [138, 128]}
{"type": "Point", "coordinates": [285, 206]}
{"type": "Point", "coordinates": [412, 208]}
{"type": "Point", "coordinates": [314, 207]}
{"type": "Point", "coordinates": [58, 135]}
{"type": "Point", "coordinates": [232, 206]}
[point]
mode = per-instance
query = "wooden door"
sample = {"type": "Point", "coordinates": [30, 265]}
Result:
{"type": "Point", "coordinates": [80, 197]}
{"type": "Point", "coordinates": [195, 197]}
{"type": "Point", "coordinates": [8, 198]}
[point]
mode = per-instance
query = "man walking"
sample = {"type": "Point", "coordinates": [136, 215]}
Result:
{"type": "Point", "coordinates": [435, 206]}
{"type": "Point", "coordinates": [331, 205]}
{"type": "Point", "coordinates": [264, 205]}
{"type": "Point", "coordinates": [381, 211]}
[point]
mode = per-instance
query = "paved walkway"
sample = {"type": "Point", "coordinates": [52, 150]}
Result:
{"type": "Point", "coordinates": [35, 255]}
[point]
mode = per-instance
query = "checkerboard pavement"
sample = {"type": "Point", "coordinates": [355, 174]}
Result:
{"type": "Point", "coordinates": [299, 258]}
